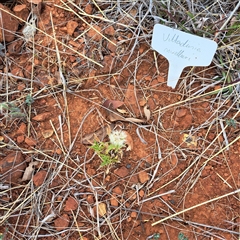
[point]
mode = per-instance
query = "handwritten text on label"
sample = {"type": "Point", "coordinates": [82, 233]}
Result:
{"type": "Point", "coordinates": [181, 50]}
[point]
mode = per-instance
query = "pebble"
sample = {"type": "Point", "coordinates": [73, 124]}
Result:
{"type": "Point", "coordinates": [117, 190]}
{"type": "Point", "coordinates": [114, 201]}
{"type": "Point", "coordinates": [13, 165]}
{"type": "Point", "coordinates": [59, 151]}
{"type": "Point", "coordinates": [181, 112]}
{"type": "Point", "coordinates": [131, 195]}
{"type": "Point", "coordinates": [133, 214]}
{"type": "Point", "coordinates": [30, 141]}
{"type": "Point", "coordinates": [143, 176]}
{"type": "Point", "coordinates": [20, 139]}
{"type": "Point", "coordinates": [71, 26]}
{"type": "Point", "coordinates": [47, 133]}
{"type": "Point", "coordinates": [102, 209]}
{"type": "Point", "coordinates": [109, 31]}
{"type": "Point", "coordinates": [71, 204]}
{"type": "Point", "coordinates": [42, 117]}
{"type": "Point", "coordinates": [88, 9]}
{"type": "Point", "coordinates": [121, 172]}
{"type": "Point", "coordinates": [93, 34]}
{"type": "Point", "coordinates": [141, 193]}
{"type": "Point", "coordinates": [39, 178]}
{"type": "Point", "coordinates": [90, 199]}
{"type": "Point", "coordinates": [21, 11]}
{"type": "Point", "coordinates": [62, 222]}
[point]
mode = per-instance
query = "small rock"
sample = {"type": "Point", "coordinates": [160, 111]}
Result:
{"type": "Point", "coordinates": [148, 78]}
{"type": "Point", "coordinates": [133, 214]}
{"type": "Point", "coordinates": [181, 112]}
{"type": "Point", "coordinates": [142, 49]}
{"type": "Point", "coordinates": [121, 172]}
{"type": "Point", "coordinates": [142, 102]}
{"type": "Point", "coordinates": [114, 201]}
{"type": "Point", "coordinates": [91, 171]}
{"type": "Point", "coordinates": [58, 151]}
{"type": "Point", "coordinates": [141, 193]}
{"type": "Point", "coordinates": [30, 141]}
{"type": "Point", "coordinates": [112, 47]}
{"type": "Point", "coordinates": [143, 177]}
{"type": "Point", "coordinates": [21, 11]}
{"type": "Point", "coordinates": [56, 182]}
{"type": "Point", "coordinates": [71, 26]}
{"type": "Point", "coordinates": [39, 178]}
{"type": "Point", "coordinates": [8, 23]}
{"type": "Point", "coordinates": [128, 166]}
{"type": "Point", "coordinates": [20, 139]}
{"type": "Point", "coordinates": [109, 31]}
{"type": "Point", "coordinates": [22, 129]}
{"type": "Point", "coordinates": [131, 195]}
{"type": "Point", "coordinates": [71, 204]}
{"type": "Point", "coordinates": [173, 159]}
{"type": "Point", "coordinates": [117, 190]}
{"type": "Point", "coordinates": [88, 9]}
{"type": "Point", "coordinates": [59, 198]}
{"type": "Point", "coordinates": [95, 35]}
{"type": "Point", "coordinates": [186, 121]}
{"type": "Point", "coordinates": [102, 209]}
{"type": "Point", "coordinates": [90, 199]}
{"type": "Point", "coordinates": [42, 117]}
{"type": "Point", "coordinates": [12, 167]}
{"type": "Point", "coordinates": [47, 133]}
{"type": "Point", "coordinates": [161, 79]}
{"type": "Point", "coordinates": [19, 8]}
{"type": "Point", "coordinates": [107, 179]}
{"type": "Point", "coordinates": [62, 222]}
{"type": "Point", "coordinates": [133, 179]}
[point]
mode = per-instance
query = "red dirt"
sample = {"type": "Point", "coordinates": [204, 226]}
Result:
{"type": "Point", "coordinates": [72, 198]}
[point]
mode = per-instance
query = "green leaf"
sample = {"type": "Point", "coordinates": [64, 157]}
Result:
{"type": "Point", "coordinates": [29, 100]}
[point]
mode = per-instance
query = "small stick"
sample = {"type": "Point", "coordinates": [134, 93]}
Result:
{"type": "Point", "coordinates": [224, 181]}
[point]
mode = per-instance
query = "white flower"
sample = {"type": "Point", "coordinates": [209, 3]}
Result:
{"type": "Point", "coordinates": [118, 138]}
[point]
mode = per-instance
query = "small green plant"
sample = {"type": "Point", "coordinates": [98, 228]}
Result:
{"type": "Point", "coordinates": [181, 236]}
{"type": "Point", "coordinates": [10, 109]}
{"type": "Point", "coordinates": [110, 152]}
{"type": "Point", "coordinates": [29, 100]}
{"type": "Point", "coordinates": [103, 150]}
{"type": "Point", "coordinates": [231, 122]}
{"type": "Point", "coordinates": [155, 236]}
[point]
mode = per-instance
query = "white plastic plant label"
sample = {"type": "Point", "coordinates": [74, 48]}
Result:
{"type": "Point", "coordinates": [181, 50]}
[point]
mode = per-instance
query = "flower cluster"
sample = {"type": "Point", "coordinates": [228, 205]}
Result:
{"type": "Point", "coordinates": [118, 138]}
